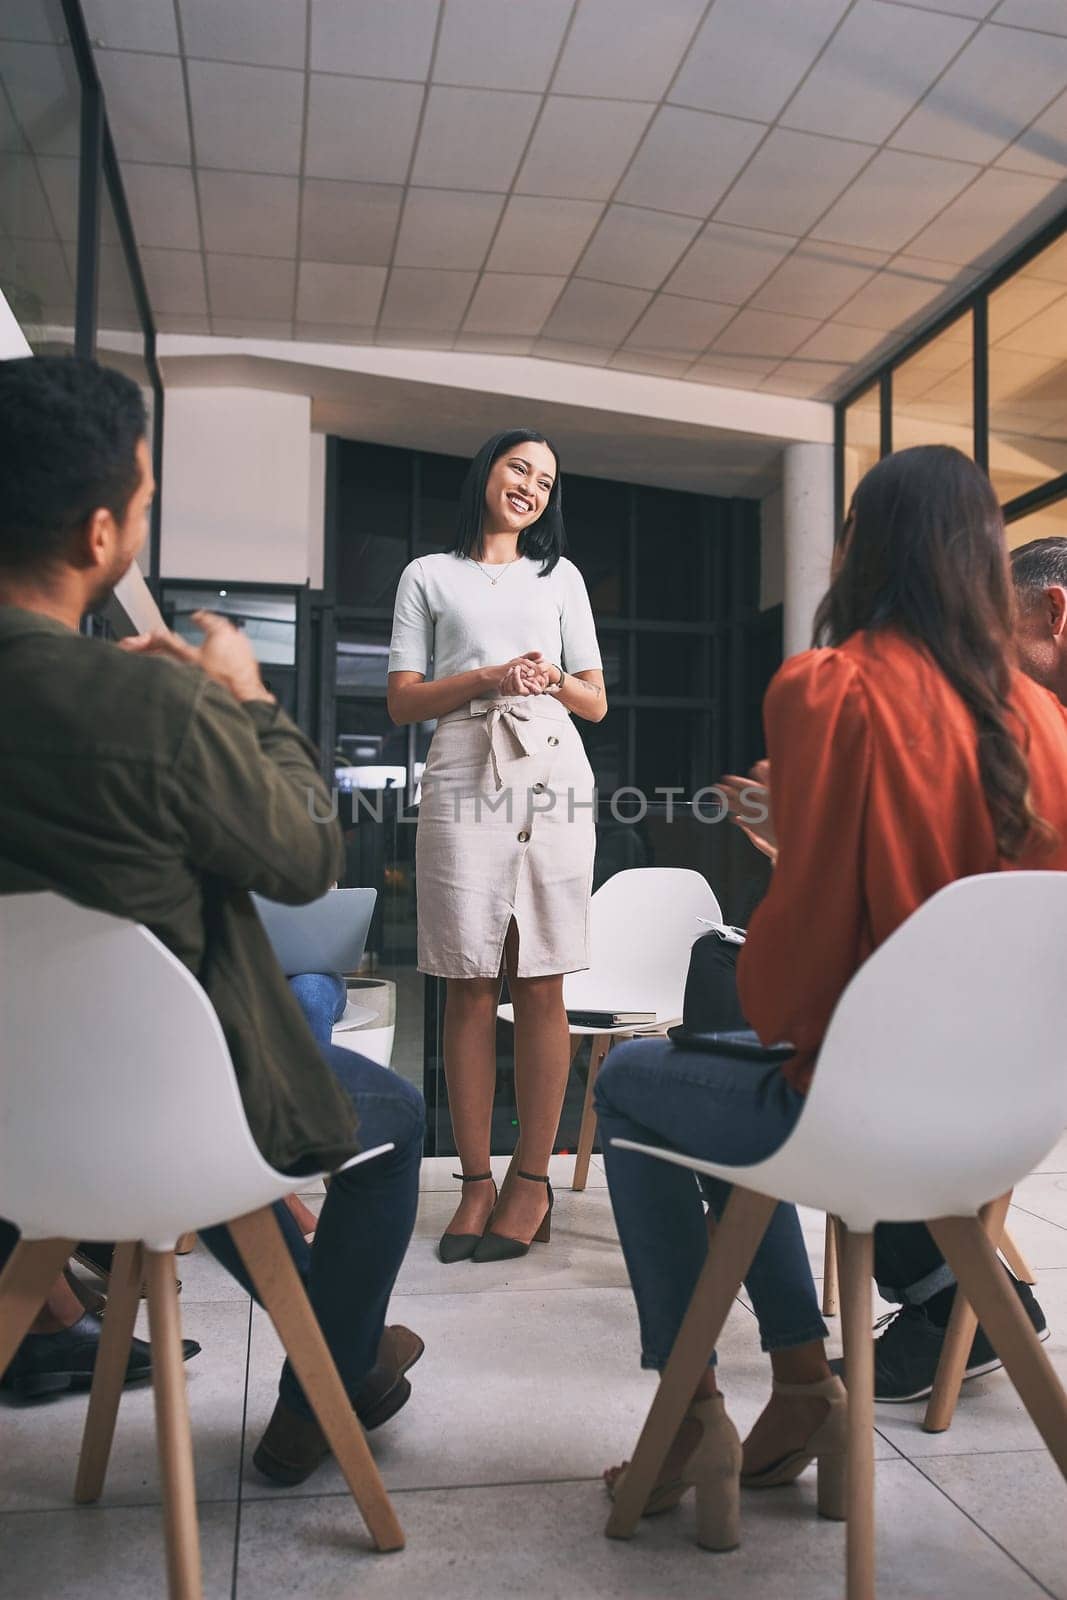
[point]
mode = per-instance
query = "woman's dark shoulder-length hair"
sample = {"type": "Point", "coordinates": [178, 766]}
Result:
{"type": "Point", "coordinates": [545, 539]}
{"type": "Point", "coordinates": [924, 553]}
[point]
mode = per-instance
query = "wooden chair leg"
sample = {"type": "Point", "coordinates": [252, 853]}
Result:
{"type": "Point", "coordinates": [587, 1132]}
{"type": "Point", "coordinates": [259, 1240]}
{"type": "Point", "coordinates": [737, 1238]}
{"type": "Point", "coordinates": [829, 1270]}
{"type": "Point", "coordinates": [1016, 1260]}
{"type": "Point", "coordinates": [969, 1251]}
{"type": "Point", "coordinates": [173, 1438]}
{"type": "Point", "coordinates": [32, 1269]}
{"type": "Point", "coordinates": [959, 1335]}
{"type": "Point", "coordinates": [186, 1244]}
{"type": "Point", "coordinates": [857, 1267]}
{"type": "Point", "coordinates": [109, 1374]}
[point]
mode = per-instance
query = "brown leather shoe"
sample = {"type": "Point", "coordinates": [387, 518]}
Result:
{"type": "Point", "coordinates": [293, 1446]}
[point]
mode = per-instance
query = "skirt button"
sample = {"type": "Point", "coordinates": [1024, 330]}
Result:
{"type": "Point", "coordinates": [524, 837]}
{"type": "Point", "coordinates": [552, 739]}
{"type": "Point", "coordinates": [538, 788]}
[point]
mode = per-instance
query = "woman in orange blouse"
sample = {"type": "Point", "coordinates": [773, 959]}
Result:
{"type": "Point", "coordinates": [908, 753]}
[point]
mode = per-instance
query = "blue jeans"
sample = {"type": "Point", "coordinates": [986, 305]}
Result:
{"type": "Point", "coordinates": [364, 1229]}
{"type": "Point", "coordinates": [720, 1109]}
{"type": "Point", "coordinates": [322, 997]}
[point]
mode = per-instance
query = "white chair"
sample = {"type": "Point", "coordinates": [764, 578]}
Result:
{"type": "Point", "coordinates": [940, 1083]}
{"type": "Point", "coordinates": [642, 924]}
{"type": "Point", "coordinates": [146, 1138]}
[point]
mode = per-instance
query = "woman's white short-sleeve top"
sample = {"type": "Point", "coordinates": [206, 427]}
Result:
{"type": "Point", "coordinates": [450, 618]}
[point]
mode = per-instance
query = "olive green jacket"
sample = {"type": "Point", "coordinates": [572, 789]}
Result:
{"type": "Point", "coordinates": [138, 786]}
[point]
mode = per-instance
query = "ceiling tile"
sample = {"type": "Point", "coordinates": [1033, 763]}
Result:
{"type": "Point", "coordinates": [688, 160]}
{"type": "Point", "coordinates": [584, 355]}
{"type": "Point", "coordinates": [740, 31]}
{"type": "Point", "coordinates": [115, 24]}
{"type": "Point", "coordinates": [901, 292]}
{"type": "Point", "coordinates": [146, 106]}
{"type": "Point", "coordinates": [595, 313]}
{"type": "Point", "coordinates": [673, 326]}
{"type": "Point", "coordinates": [37, 280]}
{"type": "Point", "coordinates": [892, 199]}
{"type": "Point", "coordinates": [180, 322]}
{"type": "Point", "coordinates": [837, 342]}
{"type": "Point", "coordinates": [473, 138]}
{"type": "Point", "coordinates": [327, 292]}
{"type": "Point", "coordinates": [581, 147]}
{"type": "Point", "coordinates": [543, 235]}
{"type": "Point", "coordinates": [332, 333]}
{"type": "Point", "coordinates": [273, 35]}
{"type": "Point", "coordinates": [249, 213]}
{"type": "Point", "coordinates": [1050, 263]}
{"type": "Point", "coordinates": [637, 247]}
{"type": "Point", "coordinates": [879, 63]}
{"type": "Point", "coordinates": [422, 300]}
{"type": "Point", "coordinates": [252, 327]}
{"type": "Point", "coordinates": [495, 344]}
{"type": "Point", "coordinates": [248, 286]}
{"type": "Point", "coordinates": [763, 333]}
{"type": "Point", "coordinates": [512, 303]}
{"type": "Point", "coordinates": [1048, 16]}
{"type": "Point", "coordinates": [733, 372]}
{"type": "Point", "coordinates": [998, 210]}
{"type": "Point", "coordinates": [792, 179]}
{"type": "Point", "coordinates": [817, 278]}
{"type": "Point", "coordinates": [987, 96]}
{"type": "Point", "coordinates": [653, 366]}
{"type": "Point", "coordinates": [1042, 149]}
{"type": "Point", "coordinates": [729, 264]}
{"type": "Point", "coordinates": [962, 8]}
{"type": "Point", "coordinates": [45, 97]}
{"type": "Point", "coordinates": [59, 179]}
{"type": "Point", "coordinates": [446, 228]}
{"type": "Point", "coordinates": [30, 20]}
{"type": "Point", "coordinates": [1019, 300]}
{"type": "Point", "coordinates": [162, 202]}
{"type": "Point", "coordinates": [175, 281]}
{"type": "Point", "coordinates": [361, 130]}
{"type": "Point", "coordinates": [354, 222]}
{"type": "Point", "coordinates": [376, 41]}
{"type": "Point", "coordinates": [804, 380]}
{"type": "Point", "coordinates": [402, 336]}
{"type": "Point", "coordinates": [632, 57]}
{"type": "Point", "coordinates": [249, 119]}
{"type": "Point", "coordinates": [485, 45]}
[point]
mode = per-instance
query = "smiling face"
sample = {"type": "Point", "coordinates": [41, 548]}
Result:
{"type": "Point", "coordinates": [519, 485]}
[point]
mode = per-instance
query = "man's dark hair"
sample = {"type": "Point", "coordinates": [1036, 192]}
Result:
{"type": "Point", "coordinates": [69, 431]}
{"type": "Point", "coordinates": [1041, 564]}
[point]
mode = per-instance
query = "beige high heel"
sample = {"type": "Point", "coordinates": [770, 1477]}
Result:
{"type": "Point", "coordinates": [827, 1445]}
{"type": "Point", "coordinates": [714, 1471]}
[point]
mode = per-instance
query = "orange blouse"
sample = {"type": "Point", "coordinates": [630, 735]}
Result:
{"type": "Point", "coordinates": [877, 804]}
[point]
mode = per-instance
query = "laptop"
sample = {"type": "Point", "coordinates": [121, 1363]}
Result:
{"type": "Point", "coordinates": [328, 935]}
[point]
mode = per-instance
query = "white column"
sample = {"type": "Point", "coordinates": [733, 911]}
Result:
{"type": "Point", "coordinates": [808, 516]}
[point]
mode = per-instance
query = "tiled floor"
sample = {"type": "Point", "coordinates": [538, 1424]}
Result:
{"type": "Point", "coordinates": [529, 1386]}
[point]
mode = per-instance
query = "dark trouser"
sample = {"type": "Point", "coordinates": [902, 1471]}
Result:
{"type": "Point", "coordinates": [366, 1222]}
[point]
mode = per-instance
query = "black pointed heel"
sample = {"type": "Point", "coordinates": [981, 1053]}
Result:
{"type": "Point", "coordinates": [461, 1246]}
{"type": "Point", "coordinates": [498, 1247]}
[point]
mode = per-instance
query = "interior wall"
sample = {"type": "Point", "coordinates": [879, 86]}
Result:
{"type": "Point", "coordinates": [238, 473]}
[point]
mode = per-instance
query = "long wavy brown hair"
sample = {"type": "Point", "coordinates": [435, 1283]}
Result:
{"type": "Point", "coordinates": [924, 553]}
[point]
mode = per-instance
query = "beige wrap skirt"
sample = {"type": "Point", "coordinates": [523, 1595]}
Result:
{"type": "Point", "coordinates": [506, 830]}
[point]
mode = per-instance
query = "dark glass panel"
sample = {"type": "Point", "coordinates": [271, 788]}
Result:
{"type": "Point", "coordinates": [440, 480]}
{"type": "Point", "coordinates": [374, 523]}
{"type": "Point", "coordinates": [670, 552]}
{"type": "Point", "coordinates": [671, 664]}
{"type": "Point", "coordinates": [596, 515]}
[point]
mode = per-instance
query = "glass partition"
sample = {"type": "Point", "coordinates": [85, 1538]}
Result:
{"type": "Point", "coordinates": [862, 439]}
{"type": "Point", "coordinates": [933, 391]}
{"type": "Point", "coordinates": [1028, 376]}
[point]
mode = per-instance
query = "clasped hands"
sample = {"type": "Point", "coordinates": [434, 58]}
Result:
{"type": "Point", "coordinates": [531, 673]}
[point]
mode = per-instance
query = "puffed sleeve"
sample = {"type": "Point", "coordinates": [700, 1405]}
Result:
{"type": "Point", "coordinates": [806, 939]}
{"type": "Point", "coordinates": [411, 646]}
{"type": "Point", "coordinates": [581, 652]}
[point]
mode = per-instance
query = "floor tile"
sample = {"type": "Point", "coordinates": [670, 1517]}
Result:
{"type": "Point", "coordinates": [990, 1417]}
{"type": "Point", "coordinates": [204, 1278]}
{"type": "Point", "coordinates": [92, 1551]}
{"type": "Point", "coordinates": [436, 1172]}
{"type": "Point", "coordinates": [1018, 1500]}
{"type": "Point", "coordinates": [1044, 1244]}
{"type": "Point", "coordinates": [1043, 1194]}
{"type": "Point", "coordinates": [546, 1541]}
{"type": "Point", "coordinates": [41, 1441]}
{"type": "Point", "coordinates": [1056, 1160]}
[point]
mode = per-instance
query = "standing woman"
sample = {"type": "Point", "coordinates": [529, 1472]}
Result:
{"type": "Point", "coordinates": [495, 639]}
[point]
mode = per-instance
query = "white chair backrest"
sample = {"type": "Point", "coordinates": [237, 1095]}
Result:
{"type": "Point", "coordinates": [120, 1115]}
{"type": "Point", "coordinates": [942, 1079]}
{"type": "Point", "coordinates": [642, 923]}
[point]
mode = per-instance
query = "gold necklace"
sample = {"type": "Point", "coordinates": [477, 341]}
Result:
{"type": "Point", "coordinates": [506, 565]}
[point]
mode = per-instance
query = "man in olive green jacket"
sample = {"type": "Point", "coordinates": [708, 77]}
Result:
{"type": "Point", "coordinates": [162, 783]}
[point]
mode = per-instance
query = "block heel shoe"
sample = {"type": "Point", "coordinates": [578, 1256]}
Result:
{"type": "Point", "coordinates": [498, 1247]}
{"type": "Point", "coordinates": [714, 1471]}
{"type": "Point", "coordinates": [827, 1445]}
{"type": "Point", "coordinates": [461, 1246]}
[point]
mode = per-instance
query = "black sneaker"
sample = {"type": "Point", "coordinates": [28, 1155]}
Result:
{"type": "Point", "coordinates": [907, 1354]}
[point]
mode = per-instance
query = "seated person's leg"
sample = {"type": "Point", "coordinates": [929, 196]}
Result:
{"type": "Point", "coordinates": [322, 997]}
